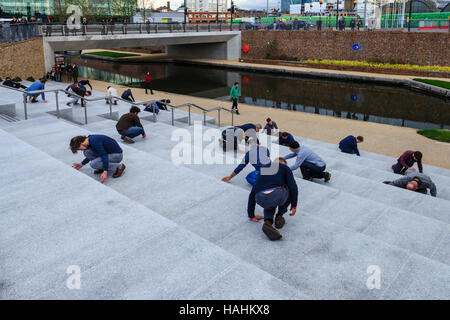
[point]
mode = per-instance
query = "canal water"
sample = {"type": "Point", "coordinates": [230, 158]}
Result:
{"type": "Point", "coordinates": [363, 102]}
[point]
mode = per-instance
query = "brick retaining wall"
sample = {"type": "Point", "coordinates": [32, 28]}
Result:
{"type": "Point", "coordinates": [423, 48]}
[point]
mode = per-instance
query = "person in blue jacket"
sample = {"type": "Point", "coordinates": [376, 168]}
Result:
{"type": "Point", "coordinates": [272, 191]}
{"type": "Point", "coordinates": [103, 153]}
{"type": "Point", "coordinates": [127, 95]}
{"type": "Point", "coordinates": [258, 156]}
{"type": "Point", "coordinates": [350, 144]}
{"type": "Point", "coordinates": [233, 135]}
{"type": "Point", "coordinates": [285, 139]}
{"type": "Point", "coordinates": [270, 126]}
{"type": "Point", "coordinates": [38, 85]}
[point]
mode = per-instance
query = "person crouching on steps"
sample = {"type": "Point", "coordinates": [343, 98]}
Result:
{"type": "Point", "coordinates": [272, 191]}
{"type": "Point", "coordinates": [129, 125]}
{"type": "Point", "coordinates": [103, 152]}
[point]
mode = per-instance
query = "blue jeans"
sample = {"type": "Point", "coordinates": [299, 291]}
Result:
{"type": "Point", "coordinates": [310, 170]}
{"type": "Point", "coordinates": [96, 162]}
{"type": "Point", "coordinates": [398, 167]}
{"type": "Point", "coordinates": [270, 201]}
{"type": "Point", "coordinates": [132, 132]}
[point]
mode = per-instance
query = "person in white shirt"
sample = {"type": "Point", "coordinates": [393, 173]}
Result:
{"type": "Point", "coordinates": [111, 92]}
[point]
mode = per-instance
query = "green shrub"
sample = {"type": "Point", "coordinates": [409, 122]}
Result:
{"type": "Point", "coordinates": [17, 79]}
{"type": "Point", "coordinates": [31, 79]}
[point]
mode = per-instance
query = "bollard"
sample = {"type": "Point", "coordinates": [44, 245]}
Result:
{"type": "Point", "coordinates": [204, 118]}
{"type": "Point", "coordinates": [25, 105]}
{"type": "Point", "coordinates": [189, 115]}
{"type": "Point", "coordinates": [57, 104]}
{"type": "Point", "coordinates": [85, 111]}
{"type": "Point", "coordinates": [110, 108]}
{"type": "Point", "coordinates": [232, 118]}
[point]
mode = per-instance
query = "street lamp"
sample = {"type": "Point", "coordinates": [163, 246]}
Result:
{"type": "Point", "coordinates": [320, 3]}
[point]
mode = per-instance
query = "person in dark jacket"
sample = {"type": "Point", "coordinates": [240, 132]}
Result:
{"type": "Point", "coordinates": [233, 135]}
{"type": "Point", "coordinates": [162, 104]}
{"type": "Point", "coordinates": [272, 191]}
{"type": "Point", "coordinates": [79, 93]}
{"type": "Point", "coordinates": [258, 156]}
{"type": "Point", "coordinates": [69, 70]}
{"type": "Point", "coordinates": [270, 126]}
{"type": "Point", "coordinates": [415, 181]}
{"type": "Point", "coordinates": [127, 95]}
{"type": "Point", "coordinates": [85, 83]}
{"type": "Point", "coordinates": [350, 144]}
{"type": "Point", "coordinates": [285, 139]}
{"type": "Point", "coordinates": [75, 73]}
{"type": "Point", "coordinates": [130, 126]}
{"type": "Point", "coordinates": [407, 160]}
{"type": "Point", "coordinates": [103, 153]}
{"type": "Point", "coordinates": [8, 82]}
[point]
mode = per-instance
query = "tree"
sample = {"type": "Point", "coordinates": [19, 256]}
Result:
{"type": "Point", "coordinates": [143, 6]}
{"type": "Point", "coordinates": [124, 8]}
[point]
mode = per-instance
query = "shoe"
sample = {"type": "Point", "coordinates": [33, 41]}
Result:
{"type": "Point", "coordinates": [279, 222]}
{"type": "Point", "coordinates": [119, 171]}
{"type": "Point", "coordinates": [68, 104]}
{"type": "Point", "coordinates": [328, 177]}
{"type": "Point", "coordinates": [270, 231]}
{"type": "Point", "coordinates": [309, 179]}
{"type": "Point", "coordinates": [128, 140]}
{"type": "Point", "coordinates": [393, 166]}
{"type": "Point", "coordinates": [237, 112]}
{"type": "Point", "coordinates": [98, 171]}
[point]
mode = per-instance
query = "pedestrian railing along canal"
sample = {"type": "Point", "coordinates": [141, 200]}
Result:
{"type": "Point", "coordinates": [49, 30]}
{"type": "Point", "coordinates": [109, 99]}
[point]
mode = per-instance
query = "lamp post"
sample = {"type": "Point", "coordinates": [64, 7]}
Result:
{"type": "Point", "coordinates": [410, 14]}
{"type": "Point", "coordinates": [185, 11]}
{"type": "Point", "coordinates": [320, 3]}
{"type": "Point", "coordinates": [337, 13]}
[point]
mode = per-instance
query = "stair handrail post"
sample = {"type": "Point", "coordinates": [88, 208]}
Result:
{"type": "Point", "coordinates": [25, 105]}
{"type": "Point", "coordinates": [232, 118]}
{"type": "Point", "coordinates": [57, 103]}
{"type": "Point", "coordinates": [173, 121]}
{"type": "Point", "coordinates": [110, 106]}
{"type": "Point", "coordinates": [85, 110]}
{"type": "Point", "coordinates": [189, 114]}
{"type": "Point", "coordinates": [218, 116]}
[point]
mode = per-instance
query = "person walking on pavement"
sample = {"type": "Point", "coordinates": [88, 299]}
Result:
{"type": "Point", "coordinates": [148, 83]}
{"type": "Point", "coordinates": [234, 93]}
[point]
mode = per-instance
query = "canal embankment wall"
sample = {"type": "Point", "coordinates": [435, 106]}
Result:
{"type": "Point", "coordinates": [422, 48]}
{"type": "Point", "coordinates": [22, 59]}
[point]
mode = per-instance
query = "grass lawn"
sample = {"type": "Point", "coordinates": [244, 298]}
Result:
{"type": "Point", "coordinates": [440, 135]}
{"type": "Point", "coordinates": [437, 83]}
{"type": "Point", "coordinates": [112, 54]}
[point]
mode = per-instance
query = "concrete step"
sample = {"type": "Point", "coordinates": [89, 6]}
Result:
{"type": "Point", "coordinates": [392, 225]}
{"type": "Point", "coordinates": [50, 221]}
{"type": "Point", "coordinates": [228, 224]}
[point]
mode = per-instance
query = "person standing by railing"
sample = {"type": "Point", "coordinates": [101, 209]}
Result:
{"type": "Point", "coordinates": [14, 26]}
{"type": "Point", "coordinates": [111, 26]}
{"type": "Point", "coordinates": [75, 73]}
{"type": "Point", "coordinates": [48, 27]}
{"type": "Point", "coordinates": [124, 26]}
{"type": "Point", "coordinates": [147, 25]}
{"type": "Point", "coordinates": [84, 26]}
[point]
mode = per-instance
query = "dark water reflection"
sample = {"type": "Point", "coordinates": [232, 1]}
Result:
{"type": "Point", "coordinates": [389, 105]}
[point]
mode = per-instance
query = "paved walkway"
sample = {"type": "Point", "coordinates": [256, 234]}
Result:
{"type": "Point", "coordinates": [379, 138]}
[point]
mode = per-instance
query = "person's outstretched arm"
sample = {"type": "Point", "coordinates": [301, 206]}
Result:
{"type": "Point", "coordinates": [251, 207]}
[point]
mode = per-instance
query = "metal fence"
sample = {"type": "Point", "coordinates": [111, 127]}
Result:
{"type": "Point", "coordinates": [10, 32]}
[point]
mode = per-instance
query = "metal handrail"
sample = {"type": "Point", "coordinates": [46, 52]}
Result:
{"type": "Point", "coordinates": [111, 97]}
{"type": "Point", "coordinates": [205, 111]}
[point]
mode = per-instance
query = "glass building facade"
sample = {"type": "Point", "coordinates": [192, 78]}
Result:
{"type": "Point", "coordinates": [42, 8]}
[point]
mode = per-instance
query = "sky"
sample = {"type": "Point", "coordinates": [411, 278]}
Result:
{"type": "Point", "coordinates": [244, 4]}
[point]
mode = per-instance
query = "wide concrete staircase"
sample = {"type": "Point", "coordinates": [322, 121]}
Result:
{"type": "Point", "coordinates": [178, 232]}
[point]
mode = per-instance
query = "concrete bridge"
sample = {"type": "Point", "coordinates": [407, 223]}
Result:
{"type": "Point", "coordinates": [213, 44]}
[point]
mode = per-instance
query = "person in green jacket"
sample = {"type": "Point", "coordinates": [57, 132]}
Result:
{"type": "Point", "coordinates": [234, 93]}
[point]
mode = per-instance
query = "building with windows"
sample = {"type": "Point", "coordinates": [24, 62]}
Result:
{"type": "Point", "coordinates": [207, 5]}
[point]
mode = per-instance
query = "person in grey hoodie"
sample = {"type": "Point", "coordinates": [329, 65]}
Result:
{"type": "Point", "coordinates": [415, 181]}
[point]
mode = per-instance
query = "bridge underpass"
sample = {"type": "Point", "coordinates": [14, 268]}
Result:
{"type": "Point", "coordinates": [223, 45]}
